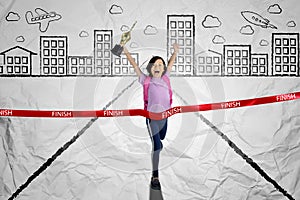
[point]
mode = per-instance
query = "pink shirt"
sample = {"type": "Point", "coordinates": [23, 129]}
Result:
{"type": "Point", "coordinates": [158, 94]}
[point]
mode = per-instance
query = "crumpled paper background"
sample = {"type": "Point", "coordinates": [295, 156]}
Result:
{"type": "Point", "coordinates": [112, 159]}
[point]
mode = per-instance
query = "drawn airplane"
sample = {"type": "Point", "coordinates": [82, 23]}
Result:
{"type": "Point", "coordinates": [43, 18]}
{"type": "Point", "coordinates": [257, 20]}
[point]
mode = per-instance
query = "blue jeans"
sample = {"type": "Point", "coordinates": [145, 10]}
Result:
{"type": "Point", "coordinates": [157, 130]}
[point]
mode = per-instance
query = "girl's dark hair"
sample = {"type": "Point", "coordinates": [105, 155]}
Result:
{"type": "Point", "coordinates": [151, 63]}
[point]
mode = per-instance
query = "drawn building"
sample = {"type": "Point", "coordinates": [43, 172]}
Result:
{"type": "Point", "coordinates": [285, 54]}
{"type": "Point", "coordinates": [181, 30]}
{"type": "Point", "coordinates": [102, 53]}
{"type": "Point", "coordinates": [259, 65]}
{"type": "Point", "coordinates": [209, 63]}
{"type": "Point", "coordinates": [17, 61]}
{"type": "Point", "coordinates": [122, 67]}
{"type": "Point", "coordinates": [53, 55]}
{"type": "Point", "coordinates": [237, 60]}
{"type": "Point", "coordinates": [80, 65]}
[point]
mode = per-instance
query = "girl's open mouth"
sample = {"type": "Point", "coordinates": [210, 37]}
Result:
{"type": "Point", "coordinates": [157, 72]}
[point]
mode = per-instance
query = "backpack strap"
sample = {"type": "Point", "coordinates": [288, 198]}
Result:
{"type": "Point", "coordinates": [167, 80]}
{"type": "Point", "coordinates": [146, 88]}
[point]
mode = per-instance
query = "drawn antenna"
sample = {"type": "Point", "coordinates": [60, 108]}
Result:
{"type": "Point", "coordinates": [132, 26]}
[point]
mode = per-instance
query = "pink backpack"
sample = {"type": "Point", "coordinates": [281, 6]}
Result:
{"type": "Point", "coordinates": [146, 87]}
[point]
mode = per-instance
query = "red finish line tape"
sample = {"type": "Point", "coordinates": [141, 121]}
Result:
{"type": "Point", "coordinates": [144, 113]}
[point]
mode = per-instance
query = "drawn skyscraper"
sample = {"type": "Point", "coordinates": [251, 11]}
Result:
{"type": "Point", "coordinates": [209, 63]}
{"type": "Point", "coordinates": [102, 53]}
{"type": "Point", "coordinates": [181, 30]}
{"type": "Point", "coordinates": [53, 55]}
{"type": "Point", "coordinates": [237, 60]}
{"type": "Point", "coordinates": [259, 65]}
{"type": "Point", "coordinates": [122, 67]}
{"type": "Point", "coordinates": [285, 54]}
{"type": "Point", "coordinates": [80, 65]}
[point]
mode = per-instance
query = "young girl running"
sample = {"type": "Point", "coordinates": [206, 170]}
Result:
{"type": "Point", "coordinates": [157, 98]}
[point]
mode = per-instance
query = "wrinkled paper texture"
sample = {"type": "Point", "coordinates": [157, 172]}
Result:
{"type": "Point", "coordinates": [112, 159]}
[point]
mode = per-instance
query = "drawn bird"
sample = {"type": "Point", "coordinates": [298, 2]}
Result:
{"type": "Point", "coordinates": [43, 18]}
{"type": "Point", "coordinates": [257, 20]}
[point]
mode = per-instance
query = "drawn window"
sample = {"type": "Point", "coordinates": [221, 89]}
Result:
{"type": "Point", "coordinates": [61, 52]}
{"type": "Point", "coordinates": [201, 60]}
{"type": "Point", "coordinates": [100, 38]}
{"type": "Point", "coordinates": [10, 60]}
{"type": "Point", "coordinates": [9, 69]}
{"type": "Point", "coordinates": [81, 70]}
{"type": "Point", "coordinates": [293, 59]}
{"type": "Point", "coordinates": [216, 60]}
{"type": "Point", "coordinates": [125, 70]}
{"type": "Point", "coordinates": [188, 68]}
{"type": "Point", "coordinates": [262, 61]}
{"type": "Point", "coordinates": [46, 61]}
{"type": "Point", "coordinates": [285, 50]}
{"type": "Point", "coordinates": [61, 61]}
{"type": "Point", "coordinates": [201, 68]}
{"type": "Point", "coordinates": [245, 53]}
{"type": "Point", "coordinates": [293, 68]}
{"type": "Point", "coordinates": [106, 70]}
{"type": "Point", "coordinates": [285, 59]}
{"type": "Point", "coordinates": [277, 68]}
{"type": "Point", "coordinates": [17, 69]}
{"type": "Point", "coordinates": [81, 61]}
{"type": "Point", "coordinates": [188, 24]}
{"type": "Point", "coordinates": [180, 33]}
{"type": "Point", "coordinates": [188, 42]}
{"type": "Point", "coordinates": [54, 52]}
{"type": "Point", "coordinates": [188, 33]}
{"type": "Point", "coordinates": [180, 68]}
{"type": "Point", "coordinates": [285, 42]}
{"type": "Point", "coordinates": [255, 69]}
{"type": "Point", "coordinates": [262, 69]}
{"type": "Point", "coordinates": [230, 53]}
{"type": "Point", "coordinates": [278, 42]}
{"type": "Point", "coordinates": [237, 70]}
{"type": "Point", "coordinates": [107, 37]}
{"type": "Point", "coordinates": [173, 34]}
{"type": "Point", "coordinates": [277, 59]}
{"type": "Point", "coordinates": [1, 69]}
{"type": "Point", "coordinates": [125, 61]}
{"type": "Point", "coordinates": [237, 61]}
{"type": "Point", "coordinates": [99, 70]}
{"type": "Point", "coordinates": [209, 60]}
{"type": "Point", "coordinates": [106, 62]}
{"type": "Point", "coordinates": [285, 68]}
{"type": "Point", "coordinates": [61, 44]}
{"type": "Point", "coordinates": [89, 70]}
{"type": "Point", "coordinates": [278, 50]}
{"type": "Point", "coordinates": [292, 42]}
{"type": "Point", "coordinates": [53, 61]}
{"type": "Point", "coordinates": [208, 68]}
{"type": "Point", "coordinates": [180, 42]}
{"type": "Point", "coordinates": [73, 70]}
{"type": "Point", "coordinates": [17, 60]}
{"type": "Point", "coordinates": [53, 70]}
{"type": "Point", "coordinates": [106, 54]}
{"type": "Point", "coordinates": [53, 43]}
{"type": "Point", "coordinates": [237, 53]}
{"type": "Point", "coordinates": [61, 70]}
{"type": "Point", "coordinates": [180, 24]}
{"type": "Point", "coordinates": [107, 46]}
{"type": "Point", "coordinates": [73, 61]}
{"type": "Point", "coordinates": [254, 61]}
{"type": "Point", "coordinates": [293, 50]}
{"type": "Point", "coordinates": [46, 44]}
{"type": "Point", "coordinates": [99, 54]}
{"type": "Point", "coordinates": [230, 70]}
{"type": "Point", "coordinates": [216, 69]}
{"type": "Point", "coordinates": [245, 70]}
{"type": "Point", "coordinates": [230, 61]}
{"type": "Point", "coordinates": [188, 59]}
{"type": "Point", "coordinates": [46, 70]}
{"type": "Point", "coordinates": [89, 61]}
{"type": "Point", "coordinates": [173, 24]}
{"type": "Point", "coordinates": [24, 60]}
{"type": "Point", "coordinates": [180, 59]}
{"type": "Point", "coordinates": [46, 52]}
{"type": "Point", "coordinates": [188, 51]}
{"type": "Point", "coordinates": [99, 62]}
{"type": "Point", "coordinates": [244, 61]}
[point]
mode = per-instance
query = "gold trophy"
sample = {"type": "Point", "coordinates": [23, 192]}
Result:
{"type": "Point", "coordinates": [118, 48]}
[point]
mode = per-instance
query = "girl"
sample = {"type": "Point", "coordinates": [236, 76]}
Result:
{"type": "Point", "coordinates": [158, 99]}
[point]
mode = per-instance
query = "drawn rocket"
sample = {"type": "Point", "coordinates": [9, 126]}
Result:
{"type": "Point", "coordinates": [257, 20]}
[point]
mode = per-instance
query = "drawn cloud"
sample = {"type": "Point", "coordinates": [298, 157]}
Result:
{"type": "Point", "coordinates": [134, 45]}
{"type": "Point", "coordinates": [211, 22]}
{"type": "Point", "coordinates": [274, 9]}
{"type": "Point", "coordinates": [291, 24]}
{"type": "Point", "coordinates": [218, 39]}
{"type": "Point", "coordinates": [20, 39]}
{"type": "Point", "coordinates": [12, 17]}
{"type": "Point", "coordinates": [263, 43]}
{"type": "Point", "coordinates": [150, 30]}
{"type": "Point", "coordinates": [124, 28]}
{"type": "Point", "coordinates": [115, 9]}
{"type": "Point", "coordinates": [83, 34]}
{"type": "Point", "coordinates": [247, 30]}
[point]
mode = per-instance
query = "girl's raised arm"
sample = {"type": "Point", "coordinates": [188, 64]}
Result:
{"type": "Point", "coordinates": [132, 62]}
{"type": "Point", "coordinates": [173, 57]}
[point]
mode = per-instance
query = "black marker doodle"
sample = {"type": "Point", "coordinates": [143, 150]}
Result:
{"type": "Point", "coordinates": [211, 22]}
{"type": "Point", "coordinates": [20, 39]}
{"type": "Point", "coordinates": [274, 9]}
{"type": "Point", "coordinates": [218, 39]}
{"type": "Point", "coordinates": [257, 20]}
{"type": "Point", "coordinates": [83, 34]}
{"type": "Point", "coordinates": [42, 18]}
{"type": "Point", "coordinates": [247, 30]}
{"type": "Point", "coordinates": [115, 10]}
{"type": "Point", "coordinates": [209, 63]}
{"type": "Point", "coordinates": [291, 24]}
{"type": "Point", "coordinates": [17, 62]}
{"type": "Point", "coordinates": [12, 17]}
{"type": "Point", "coordinates": [259, 65]}
{"type": "Point", "coordinates": [150, 30]}
{"type": "Point", "coordinates": [134, 45]}
{"type": "Point", "coordinates": [263, 43]}
{"type": "Point", "coordinates": [124, 28]}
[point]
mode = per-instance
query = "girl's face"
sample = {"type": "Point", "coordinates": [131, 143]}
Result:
{"type": "Point", "coordinates": [157, 68]}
